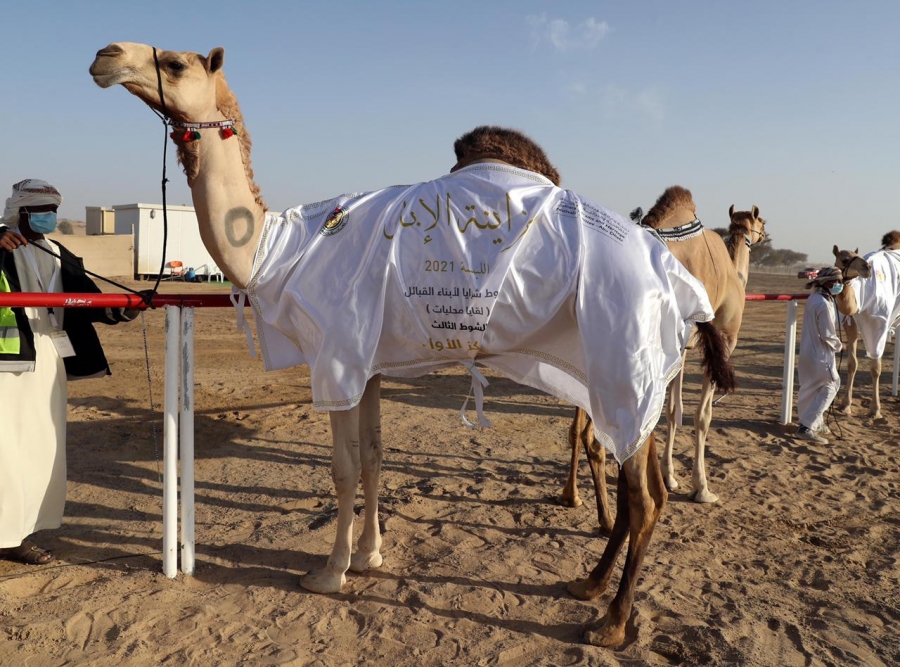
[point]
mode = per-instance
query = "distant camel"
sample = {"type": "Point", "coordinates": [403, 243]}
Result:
{"type": "Point", "coordinates": [723, 270]}
{"type": "Point", "coordinates": [871, 300]}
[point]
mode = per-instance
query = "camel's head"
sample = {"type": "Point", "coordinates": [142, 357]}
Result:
{"type": "Point", "coordinates": [189, 81]}
{"type": "Point", "coordinates": [851, 264]}
{"type": "Point", "coordinates": [748, 223]}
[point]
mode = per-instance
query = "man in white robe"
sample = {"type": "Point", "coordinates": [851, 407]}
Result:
{"type": "Point", "coordinates": [41, 349]}
{"type": "Point", "coordinates": [819, 343]}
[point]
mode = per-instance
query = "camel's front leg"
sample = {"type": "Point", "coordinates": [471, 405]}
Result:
{"type": "Point", "coordinates": [875, 407]}
{"type": "Point", "coordinates": [345, 471]}
{"type": "Point", "coordinates": [846, 403]}
{"type": "Point", "coordinates": [674, 409]}
{"type": "Point", "coordinates": [703, 419]}
{"type": "Point", "coordinates": [580, 422]}
{"type": "Point", "coordinates": [646, 498]}
{"type": "Point", "coordinates": [368, 552]}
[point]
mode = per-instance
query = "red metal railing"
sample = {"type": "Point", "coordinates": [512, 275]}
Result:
{"type": "Point", "coordinates": [195, 300]}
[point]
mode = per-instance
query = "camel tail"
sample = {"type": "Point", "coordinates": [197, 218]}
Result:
{"type": "Point", "coordinates": [716, 363]}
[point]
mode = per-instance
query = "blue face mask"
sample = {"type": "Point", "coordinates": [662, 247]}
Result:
{"type": "Point", "coordinates": [837, 289]}
{"type": "Point", "coordinates": [42, 223]}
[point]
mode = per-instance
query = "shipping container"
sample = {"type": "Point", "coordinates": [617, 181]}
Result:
{"type": "Point", "coordinates": [184, 249]}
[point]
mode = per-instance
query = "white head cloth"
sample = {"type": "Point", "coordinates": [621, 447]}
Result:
{"type": "Point", "coordinates": [30, 192]}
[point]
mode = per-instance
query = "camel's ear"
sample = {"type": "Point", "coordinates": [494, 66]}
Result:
{"type": "Point", "coordinates": [731, 211]}
{"type": "Point", "coordinates": [856, 252]}
{"type": "Point", "coordinates": [835, 251]}
{"type": "Point", "coordinates": [215, 59]}
{"type": "Point", "coordinates": [755, 210]}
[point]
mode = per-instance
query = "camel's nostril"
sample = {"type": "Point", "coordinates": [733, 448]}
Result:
{"type": "Point", "coordinates": [111, 50]}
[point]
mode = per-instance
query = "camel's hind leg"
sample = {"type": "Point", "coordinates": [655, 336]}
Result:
{"type": "Point", "coordinates": [345, 471]}
{"type": "Point", "coordinates": [597, 462]}
{"type": "Point", "coordinates": [674, 408]}
{"type": "Point", "coordinates": [875, 407]}
{"type": "Point", "coordinates": [846, 402]}
{"type": "Point", "coordinates": [702, 421]}
{"type": "Point", "coordinates": [581, 433]}
{"type": "Point", "coordinates": [368, 551]}
{"type": "Point", "coordinates": [641, 486]}
{"type": "Point", "coordinates": [580, 422]}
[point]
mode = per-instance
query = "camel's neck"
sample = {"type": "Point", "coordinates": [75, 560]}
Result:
{"type": "Point", "coordinates": [846, 301]}
{"type": "Point", "coordinates": [228, 208]}
{"type": "Point", "coordinates": [740, 255]}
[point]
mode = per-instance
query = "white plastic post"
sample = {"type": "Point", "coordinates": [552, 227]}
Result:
{"type": "Point", "coordinates": [787, 380]}
{"type": "Point", "coordinates": [896, 366]}
{"type": "Point", "coordinates": [170, 444]}
{"type": "Point", "coordinates": [187, 440]}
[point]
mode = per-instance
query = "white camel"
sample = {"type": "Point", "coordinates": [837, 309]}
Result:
{"type": "Point", "coordinates": [871, 300]}
{"type": "Point", "coordinates": [549, 289]}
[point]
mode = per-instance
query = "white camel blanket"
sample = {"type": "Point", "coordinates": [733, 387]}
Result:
{"type": "Point", "coordinates": [879, 301]}
{"type": "Point", "coordinates": [490, 264]}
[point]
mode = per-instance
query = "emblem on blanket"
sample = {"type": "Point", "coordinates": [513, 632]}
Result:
{"type": "Point", "coordinates": [335, 221]}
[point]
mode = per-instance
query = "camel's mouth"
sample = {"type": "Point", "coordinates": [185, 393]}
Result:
{"type": "Point", "coordinates": [105, 70]}
{"type": "Point", "coordinates": [105, 79]}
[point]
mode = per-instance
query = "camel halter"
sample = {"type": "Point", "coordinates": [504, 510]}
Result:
{"type": "Point", "coordinates": [749, 239]}
{"type": "Point", "coordinates": [684, 232]}
{"type": "Point", "coordinates": [191, 131]}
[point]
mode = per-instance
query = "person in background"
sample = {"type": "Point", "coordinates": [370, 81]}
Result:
{"type": "Point", "coordinates": [819, 344]}
{"type": "Point", "coordinates": [40, 348]}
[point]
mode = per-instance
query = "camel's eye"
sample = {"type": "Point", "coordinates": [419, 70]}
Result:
{"type": "Point", "coordinates": [176, 67]}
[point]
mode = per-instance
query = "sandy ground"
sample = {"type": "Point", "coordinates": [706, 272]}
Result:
{"type": "Point", "coordinates": [797, 564]}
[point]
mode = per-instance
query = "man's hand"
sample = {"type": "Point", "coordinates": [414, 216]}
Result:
{"type": "Point", "coordinates": [10, 239]}
{"type": "Point", "coordinates": [129, 314]}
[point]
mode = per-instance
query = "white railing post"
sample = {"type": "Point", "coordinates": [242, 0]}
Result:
{"type": "Point", "coordinates": [170, 444]}
{"type": "Point", "coordinates": [790, 346]}
{"type": "Point", "coordinates": [187, 440]}
{"type": "Point", "coordinates": [896, 366]}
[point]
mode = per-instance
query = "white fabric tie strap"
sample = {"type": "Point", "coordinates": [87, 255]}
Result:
{"type": "Point", "coordinates": [237, 300]}
{"type": "Point", "coordinates": [479, 382]}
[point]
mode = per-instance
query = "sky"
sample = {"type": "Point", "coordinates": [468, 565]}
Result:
{"type": "Point", "coordinates": [790, 106]}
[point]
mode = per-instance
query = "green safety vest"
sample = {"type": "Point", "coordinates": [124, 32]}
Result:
{"type": "Point", "coordinates": [9, 330]}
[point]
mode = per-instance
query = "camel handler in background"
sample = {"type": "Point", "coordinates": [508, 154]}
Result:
{"type": "Point", "coordinates": [819, 343]}
{"type": "Point", "coordinates": [39, 349]}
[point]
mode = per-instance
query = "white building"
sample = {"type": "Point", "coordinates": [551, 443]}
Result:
{"type": "Point", "coordinates": [184, 249]}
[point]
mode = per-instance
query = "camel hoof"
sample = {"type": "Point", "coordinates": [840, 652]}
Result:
{"type": "Point", "coordinates": [704, 496]}
{"type": "Point", "coordinates": [365, 560]}
{"type": "Point", "coordinates": [567, 501]}
{"type": "Point", "coordinates": [847, 410]}
{"type": "Point", "coordinates": [670, 483]}
{"type": "Point", "coordinates": [582, 589]}
{"type": "Point", "coordinates": [605, 527]}
{"type": "Point", "coordinates": [605, 636]}
{"type": "Point", "coordinates": [323, 581]}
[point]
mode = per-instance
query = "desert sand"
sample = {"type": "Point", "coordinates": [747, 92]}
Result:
{"type": "Point", "coordinates": [797, 564]}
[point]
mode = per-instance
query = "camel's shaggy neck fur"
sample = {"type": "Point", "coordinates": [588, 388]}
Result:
{"type": "Point", "coordinates": [891, 240]}
{"type": "Point", "coordinates": [189, 152]}
{"type": "Point", "coordinates": [674, 207]}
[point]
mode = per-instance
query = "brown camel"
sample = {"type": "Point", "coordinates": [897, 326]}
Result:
{"type": "Point", "coordinates": [853, 266]}
{"type": "Point", "coordinates": [191, 89]}
{"type": "Point", "coordinates": [723, 270]}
